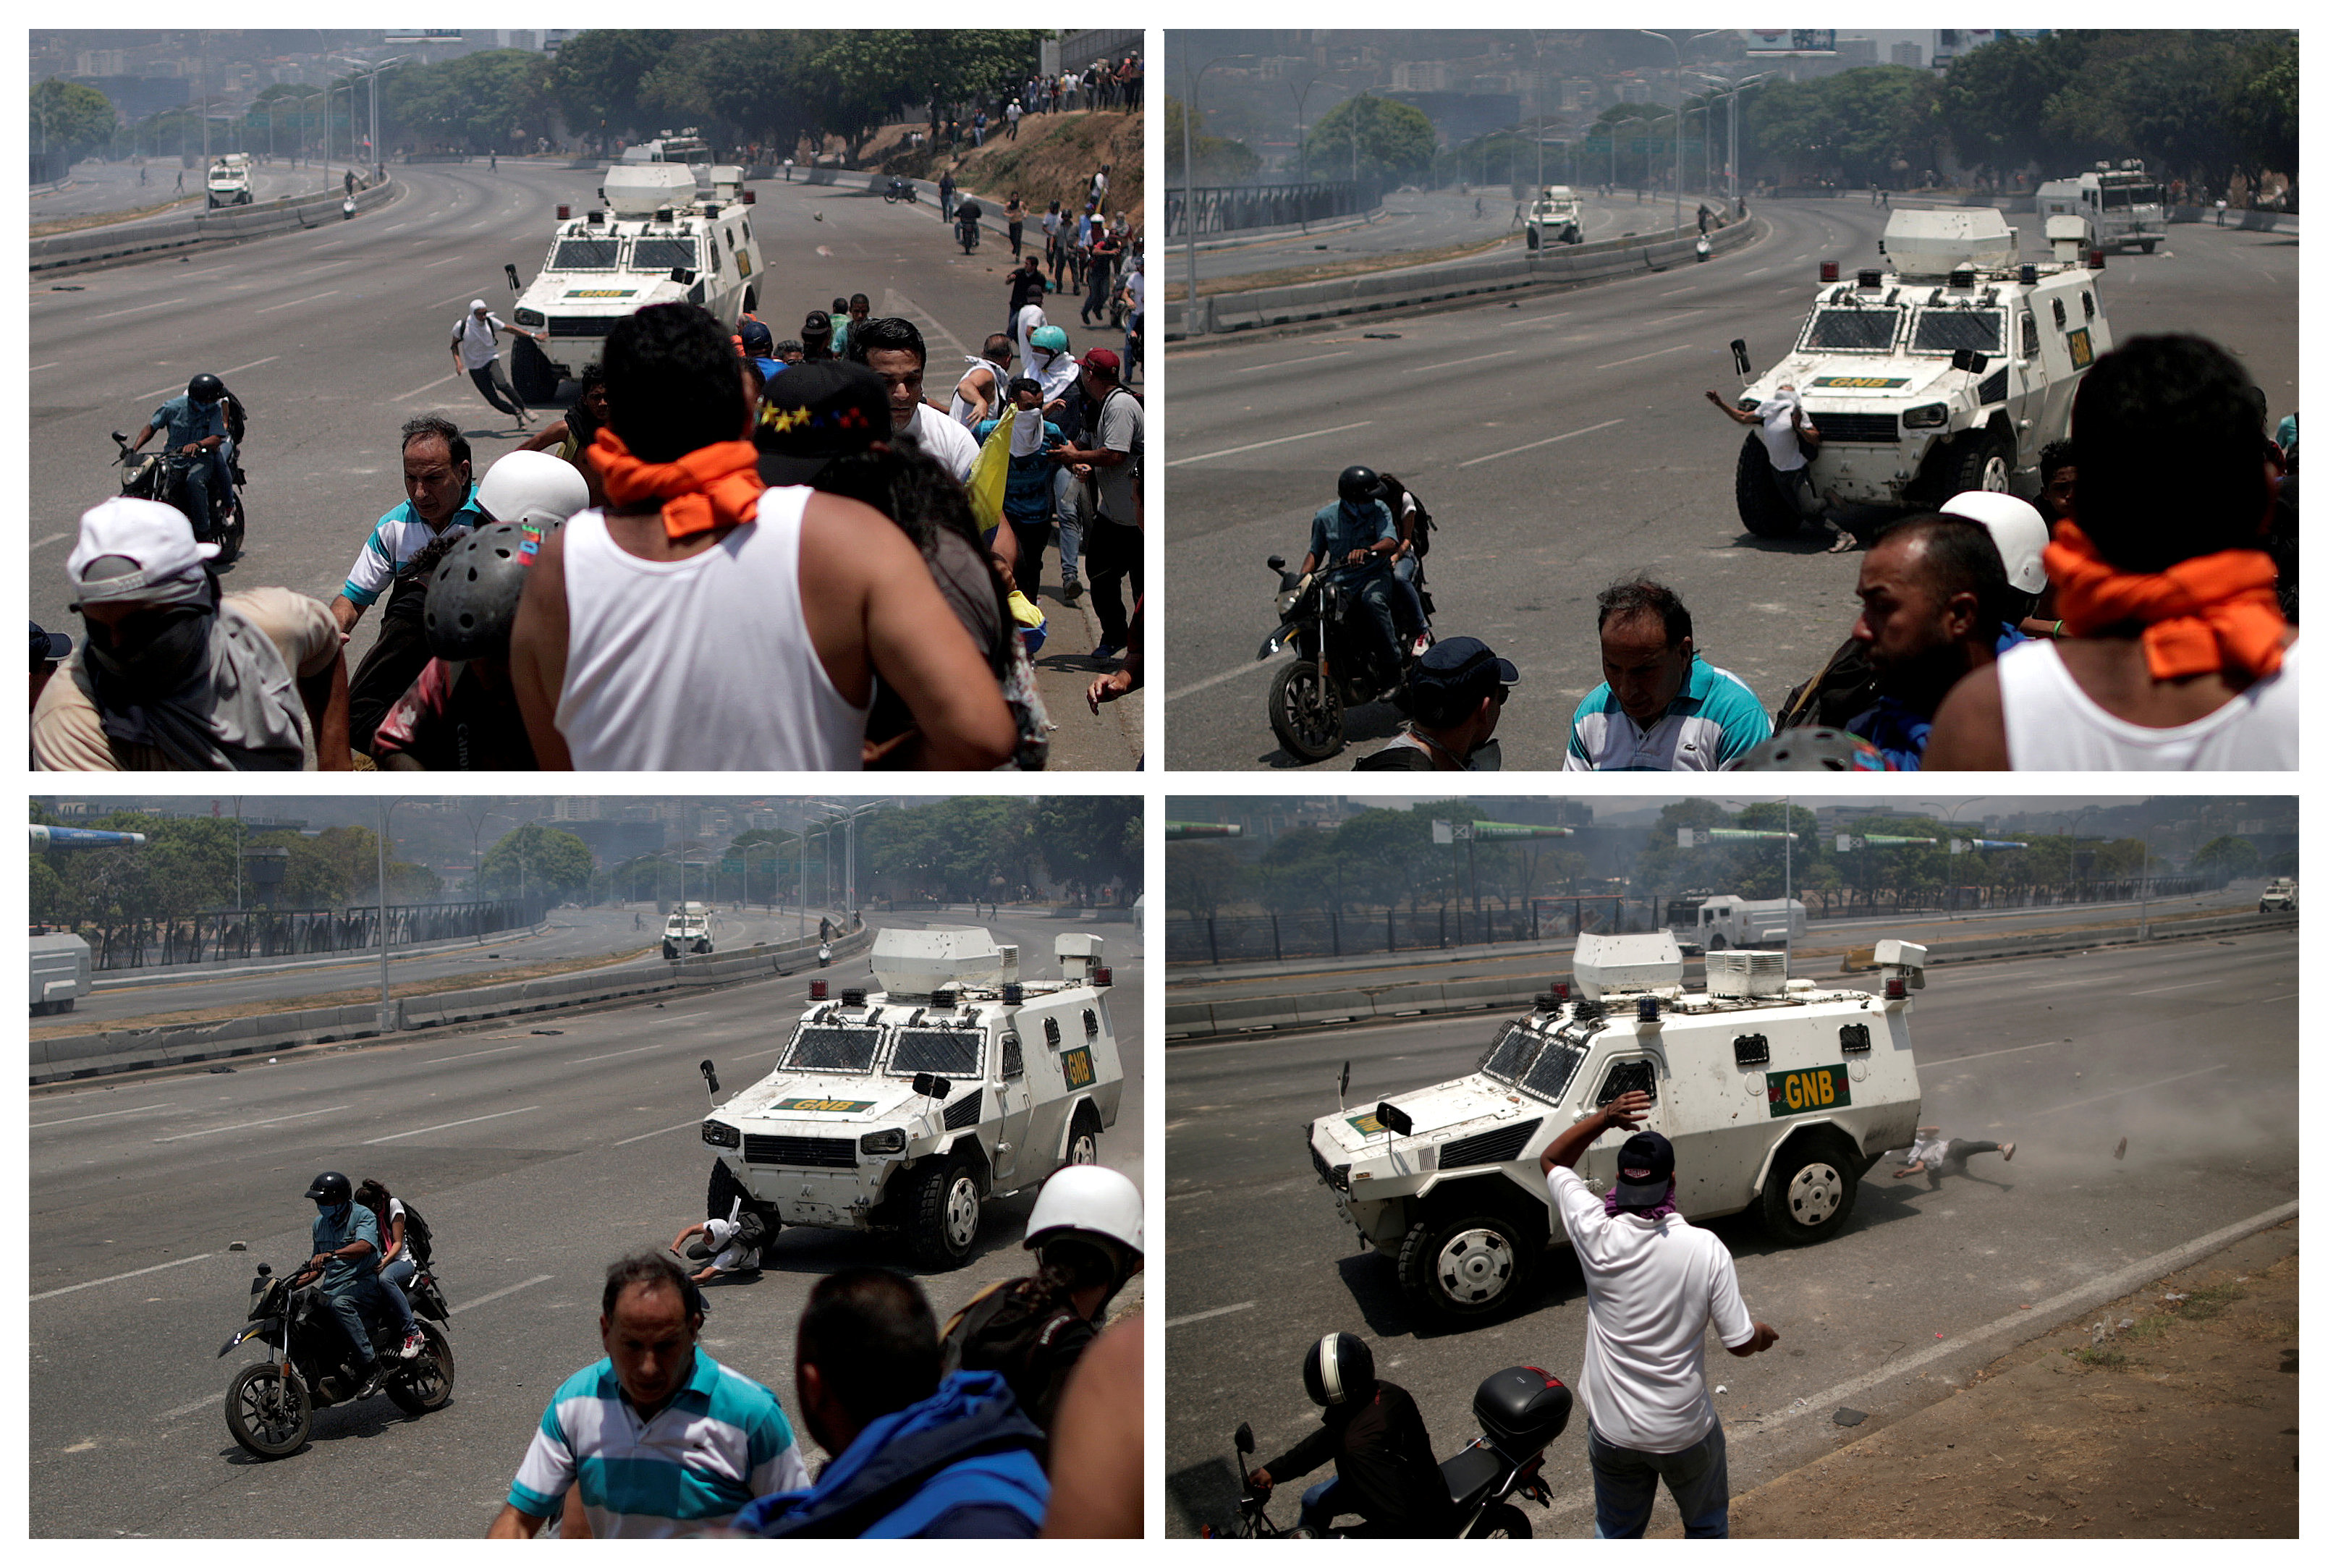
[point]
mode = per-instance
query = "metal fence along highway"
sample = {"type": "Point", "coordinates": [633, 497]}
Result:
{"type": "Point", "coordinates": [226, 936]}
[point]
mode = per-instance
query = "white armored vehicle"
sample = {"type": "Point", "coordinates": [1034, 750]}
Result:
{"type": "Point", "coordinates": [654, 242]}
{"type": "Point", "coordinates": [2278, 894]}
{"type": "Point", "coordinates": [903, 1109]}
{"type": "Point", "coordinates": [2120, 205]}
{"type": "Point", "coordinates": [1555, 217]}
{"type": "Point", "coordinates": [59, 972]}
{"type": "Point", "coordinates": [1948, 370]}
{"type": "Point", "coordinates": [1778, 1094]}
{"type": "Point", "coordinates": [686, 929]}
{"type": "Point", "coordinates": [228, 182]}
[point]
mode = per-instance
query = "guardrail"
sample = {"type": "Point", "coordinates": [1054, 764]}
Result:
{"type": "Point", "coordinates": [1406, 287]}
{"type": "Point", "coordinates": [1198, 1021]}
{"type": "Point", "coordinates": [69, 1057]}
{"type": "Point", "coordinates": [225, 226]}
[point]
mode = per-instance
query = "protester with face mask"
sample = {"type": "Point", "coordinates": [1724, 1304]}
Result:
{"type": "Point", "coordinates": [174, 675]}
{"type": "Point", "coordinates": [347, 1257]}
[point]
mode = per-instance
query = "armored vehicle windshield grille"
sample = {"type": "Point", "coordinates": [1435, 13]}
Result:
{"type": "Point", "coordinates": [586, 256]}
{"type": "Point", "coordinates": [823, 1154]}
{"type": "Point", "coordinates": [1944, 331]}
{"type": "Point", "coordinates": [966, 1110]}
{"type": "Point", "coordinates": [831, 1049]}
{"type": "Point", "coordinates": [662, 255]}
{"type": "Point", "coordinates": [1492, 1147]}
{"type": "Point", "coordinates": [1548, 1078]}
{"type": "Point", "coordinates": [1858, 427]}
{"type": "Point", "coordinates": [1850, 328]}
{"type": "Point", "coordinates": [1508, 1057]}
{"type": "Point", "coordinates": [954, 1052]}
{"type": "Point", "coordinates": [1623, 1078]}
{"type": "Point", "coordinates": [580, 327]}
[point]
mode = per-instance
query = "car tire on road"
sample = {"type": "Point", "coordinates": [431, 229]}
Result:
{"type": "Point", "coordinates": [532, 374]}
{"type": "Point", "coordinates": [267, 1415]}
{"type": "Point", "coordinates": [1305, 711]}
{"type": "Point", "coordinates": [1812, 1188]}
{"type": "Point", "coordinates": [1461, 1264]}
{"type": "Point", "coordinates": [430, 1387]}
{"type": "Point", "coordinates": [943, 1226]}
{"type": "Point", "coordinates": [1984, 462]}
{"type": "Point", "coordinates": [1083, 1136]}
{"type": "Point", "coordinates": [1762, 506]}
{"type": "Point", "coordinates": [1502, 1521]}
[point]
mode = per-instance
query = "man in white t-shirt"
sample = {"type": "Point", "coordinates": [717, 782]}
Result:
{"type": "Point", "coordinates": [891, 347]}
{"type": "Point", "coordinates": [476, 351]}
{"type": "Point", "coordinates": [1792, 441]}
{"type": "Point", "coordinates": [1652, 1282]}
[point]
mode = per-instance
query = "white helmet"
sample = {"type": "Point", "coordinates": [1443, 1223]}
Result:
{"type": "Point", "coordinates": [1092, 1202]}
{"type": "Point", "coordinates": [533, 487]}
{"type": "Point", "coordinates": [2018, 529]}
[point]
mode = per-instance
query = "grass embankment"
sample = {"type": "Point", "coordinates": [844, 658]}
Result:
{"type": "Point", "coordinates": [1052, 160]}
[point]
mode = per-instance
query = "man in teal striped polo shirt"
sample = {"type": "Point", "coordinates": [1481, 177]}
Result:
{"type": "Point", "coordinates": [663, 1439]}
{"type": "Point", "coordinates": [1661, 709]}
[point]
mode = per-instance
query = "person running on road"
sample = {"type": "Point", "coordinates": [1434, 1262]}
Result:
{"type": "Point", "coordinates": [476, 351]}
{"type": "Point", "coordinates": [945, 195]}
{"type": "Point", "coordinates": [1661, 708]}
{"type": "Point", "coordinates": [891, 347]}
{"type": "Point", "coordinates": [1792, 441]}
{"type": "Point", "coordinates": [1934, 1156]}
{"type": "Point", "coordinates": [1054, 247]}
{"type": "Point", "coordinates": [979, 394]}
{"type": "Point", "coordinates": [1027, 288]}
{"type": "Point", "coordinates": [1113, 521]}
{"type": "Point", "coordinates": [855, 310]}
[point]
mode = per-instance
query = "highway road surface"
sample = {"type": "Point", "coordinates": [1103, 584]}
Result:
{"type": "Point", "coordinates": [2186, 1051]}
{"type": "Point", "coordinates": [100, 187]}
{"type": "Point", "coordinates": [1414, 221]}
{"type": "Point", "coordinates": [1562, 440]}
{"type": "Point", "coordinates": [539, 1151]}
{"type": "Point", "coordinates": [333, 336]}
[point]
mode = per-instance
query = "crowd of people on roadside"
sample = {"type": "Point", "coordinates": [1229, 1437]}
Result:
{"type": "Point", "coordinates": [730, 552]}
{"type": "Point", "coordinates": [2141, 614]}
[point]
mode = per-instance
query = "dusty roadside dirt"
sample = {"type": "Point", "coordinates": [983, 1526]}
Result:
{"type": "Point", "coordinates": [2180, 1423]}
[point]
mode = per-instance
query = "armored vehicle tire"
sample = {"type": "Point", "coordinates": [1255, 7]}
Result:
{"type": "Point", "coordinates": [268, 1416]}
{"type": "Point", "coordinates": [2149, 246]}
{"type": "Point", "coordinates": [532, 375]}
{"type": "Point", "coordinates": [670, 949]}
{"type": "Point", "coordinates": [1502, 1521]}
{"type": "Point", "coordinates": [1984, 462]}
{"type": "Point", "coordinates": [1461, 1264]}
{"type": "Point", "coordinates": [1718, 944]}
{"type": "Point", "coordinates": [1762, 506]}
{"type": "Point", "coordinates": [1812, 1186]}
{"type": "Point", "coordinates": [430, 1387]}
{"type": "Point", "coordinates": [1533, 243]}
{"type": "Point", "coordinates": [1083, 1137]}
{"type": "Point", "coordinates": [720, 1193]}
{"type": "Point", "coordinates": [942, 1223]}
{"type": "Point", "coordinates": [1305, 711]}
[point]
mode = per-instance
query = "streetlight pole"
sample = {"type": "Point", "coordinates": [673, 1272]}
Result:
{"type": "Point", "coordinates": [2075, 882]}
{"type": "Point", "coordinates": [388, 1019]}
{"type": "Point", "coordinates": [1301, 141]}
{"type": "Point", "coordinates": [1692, 38]}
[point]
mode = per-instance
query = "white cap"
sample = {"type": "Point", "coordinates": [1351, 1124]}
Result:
{"type": "Point", "coordinates": [2019, 531]}
{"type": "Point", "coordinates": [156, 537]}
{"type": "Point", "coordinates": [1090, 1199]}
{"type": "Point", "coordinates": [533, 487]}
{"type": "Point", "coordinates": [476, 305]}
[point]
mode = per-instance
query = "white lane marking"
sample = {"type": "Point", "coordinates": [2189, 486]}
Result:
{"type": "Point", "coordinates": [2266, 1001]}
{"type": "Point", "coordinates": [448, 261]}
{"type": "Point", "coordinates": [1636, 359]}
{"type": "Point", "coordinates": [109, 1278]}
{"type": "Point", "coordinates": [205, 1401]}
{"type": "Point", "coordinates": [1758, 272]}
{"type": "Point", "coordinates": [451, 300]}
{"type": "Point", "coordinates": [290, 304]}
{"type": "Point", "coordinates": [1669, 293]}
{"type": "Point", "coordinates": [2156, 989]}
{"type": "Point", "coordinates": [101, 1115]}
{"type": "Point", "coordinates": [418, 391]}
{"type": "Point", "coordinates": [1200, 1317]}
{"type": "Point", "coordinates": [464, 1056]}
{"type": "Point", "coordinates": [238, 1126]}
{"type": "Point", "coordinates": [1257, 445]}
{"type": "Point", "coordinates": [1542, 320]}
{"type": "Point", "coordinates": [610, 1056]}
{"type": "Point", "coordinates": [50, 539]}
{"type": "Point", "coordinates": [51, 365]}
{"type": "Point", "coordinates": [1449, 364]}
{"type": "Point", "coordinates": [497, 1295]}
{"type": "Point", "coordinates": [254, 364]}
{"type": "Point", "coordinates": [659, 1132]}
{"type": "Point", "coordinates": [394, 227]}
{"type": "Point", "coordinates": [1977, 1056]}
{"type": "Point", "coordinates": [1212, 680]}
{"type": "Point", "coordinates": [134, 309]}
{"type": "Point", "coordinates": [440, 1127]}
{"type": "Point", "coordinates": [1273, 365]}
{"type": "Point", "coordinates": [2135, 1089]}
{"type": "Point", "coordinates": [1531, 446]}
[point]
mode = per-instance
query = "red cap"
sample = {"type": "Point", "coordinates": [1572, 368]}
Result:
{"type": "Point", "coordinates": [1103, 360]}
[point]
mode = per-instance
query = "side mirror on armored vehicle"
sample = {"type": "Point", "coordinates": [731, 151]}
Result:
{"type": "Point", "coordinates": [1394, 1119]}
{"type": "Point", "coordinates": [1969, 361]}
{"type": "Point", "coordinates": [930, 1084]}
{"type": "Point", "coordinates": [710, 1078]}
{"type": "Point", "coordinates": [1343, 1092]}
{"type": "Point", "coordinates": [1737, 356]}
{"type": "Point", "coordinates": [509, 270]}
{"type": "Point", "coordinates": [682, 275]}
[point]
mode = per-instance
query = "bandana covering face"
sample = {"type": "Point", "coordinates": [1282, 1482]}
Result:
{"type": "Point", "coordinates": [710, 487]}
{"type": "Point", "coordinates": [2209, 613]}
{"type": "Point", "coordinates": [1665, 1205]}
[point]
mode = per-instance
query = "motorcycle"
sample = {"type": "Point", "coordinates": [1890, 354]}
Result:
{"type": "Point", "coordinates": [162, 476]}
{"type": "Point", "coordinates": [965, 230]}
{"type": "Point", "coordinates": [901, 190]}
{"type": "Point", "coordinates": [1521, 1411]}
{"type": "Point", "coordinates": [1336, 664]}
{"type": "Point", "coordinates": [270, 1404]}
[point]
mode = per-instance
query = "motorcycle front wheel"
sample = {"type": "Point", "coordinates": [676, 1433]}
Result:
{"type": "Point", "coordinates": [1305, 713]}
{"type": "Point", "coordinates": [430, 1386]}
{"type": "Point", "coordinates": [267, 1414]}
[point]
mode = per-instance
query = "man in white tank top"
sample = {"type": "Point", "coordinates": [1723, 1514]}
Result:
{"type": "Point", "coordinates": [979, 394]}
{"type": "Point", "coordinates": [703, 620]}
{"type": "Point", "coordinates": [2178, 656]}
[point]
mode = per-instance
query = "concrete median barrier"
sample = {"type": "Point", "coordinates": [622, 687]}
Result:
{"type": "Point", "coordinates": [53, 253]}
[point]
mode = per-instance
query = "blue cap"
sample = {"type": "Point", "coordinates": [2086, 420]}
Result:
{"type": "Point", "coordinates": [1459, 663]}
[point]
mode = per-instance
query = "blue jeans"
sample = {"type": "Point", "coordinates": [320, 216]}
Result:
{"type": "Point", "coordinates": [1409, 599]}
{"type": "Point", "coordinates": [1070, 522]}
{"type": "Point", "coordinates": [208, 477]}
{"type": "Point", "coordinates": [349, 1300]}
{"type": "Point", "coordinates": [1320, 1504]}
{"type": "Point", "coordinates": [1625, 1485]}
{"type": "Point", "coordinates": [392, 1281]}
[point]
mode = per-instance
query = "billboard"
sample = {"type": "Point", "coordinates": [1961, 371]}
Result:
{"type": "Point", "coordinates": [422, 35]}
{"type": "Point", "coordinates": [1766, 42]}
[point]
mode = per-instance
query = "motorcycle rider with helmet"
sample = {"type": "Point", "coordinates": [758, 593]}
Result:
{"type": "Point", "coordinates": [1374, 1433]}
{"type": "Point", "coordinates": [1086, 1235]}
{"type": "Point", "coordinates": [347, 1243]}
{"type": "Point", "coordinates": [1358, 532]}
{"type": "Point", "coordinates": [198, 427]}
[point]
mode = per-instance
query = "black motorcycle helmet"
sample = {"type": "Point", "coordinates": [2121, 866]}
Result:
{"type": "Point", "coordinates": [1338, 1372]}
{"type": "Point", "coordinates": [472, 596]}
{"type": "Point", "coordinates": [206, 388]}
{"type": "Point", "coordinates": [1358, 483]}
{"type": "Point", "coordinates": [330, 1189]}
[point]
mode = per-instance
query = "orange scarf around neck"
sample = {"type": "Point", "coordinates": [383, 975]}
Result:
{"type": "Point", "coordinates": [2209, 613]}
{"type": "Point", "coordinates": [708, 488]}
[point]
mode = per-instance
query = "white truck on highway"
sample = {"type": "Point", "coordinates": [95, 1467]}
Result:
{"type": "Point", "coordinates": [2278, 895]}
{"type": "Point", "coordinates": [686, 929]}
{"type": "Point", "coordinates": [1726, 920]}
{"type": "Point", "coordinates": [1778, 1094]}
{"type": "Point", "coordinates": [228, 182]}
{"type": "Point", "coordinates": [654, 242]}
{"type": "Point", "coordinates": [1557, 216]}
{"type": "Point", "coordinates": [2120, 205]}
{"type": "Point", "coordinates": [902, 1110]}
{"type": "Point", "coordinates": [1950, 371]}
{"type": "Point", "coordinates": [59, 972]}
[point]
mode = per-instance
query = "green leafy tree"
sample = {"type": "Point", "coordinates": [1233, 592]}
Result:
{"type": "Point", "coordinates": [854, 82]}
{"type": "Point", "coordinates": [1200, 875]}
{"type": "Point", "coordinates": [2228, 857]}
{"type": "Point", "coordinates": [1992, 103]}
{"type": "Point", "coordinates": [538, 860]}
{"type": "Point", "coordinates": [1220, 161]}
{"type": "Point", "coordinates": [736, 87]}
{"type": "Point", "coordinates": [1091, 841]}
{"type": "Point", "coordinates": [1395, 140]}
{"type": "Point", "coordinates": [598, 75]}
{"type": "Point", "coordinates": [494, 98]}
{"type": "Point", "coordinates": [67, 119]}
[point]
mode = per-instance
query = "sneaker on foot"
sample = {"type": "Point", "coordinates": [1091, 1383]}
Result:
{"type": "Point", "coordinates": [414, 1344]}
{"type": "Point", "coordinates": [1071, 591]}
{"type": "Point", "coordinates": [375, 1377]}
{"type": "Point", "coordinates": [1422, 644]}
{"type": "Point", "coordinates": [1105, 652]}
{"type": "Point", "coordinates": [2009, 1149]}
{"type": "Point", "coordinates": [1841, 544]}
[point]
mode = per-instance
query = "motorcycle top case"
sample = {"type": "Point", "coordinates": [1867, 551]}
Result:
{"type": "Point", "coordinates": [1522, 1409]}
